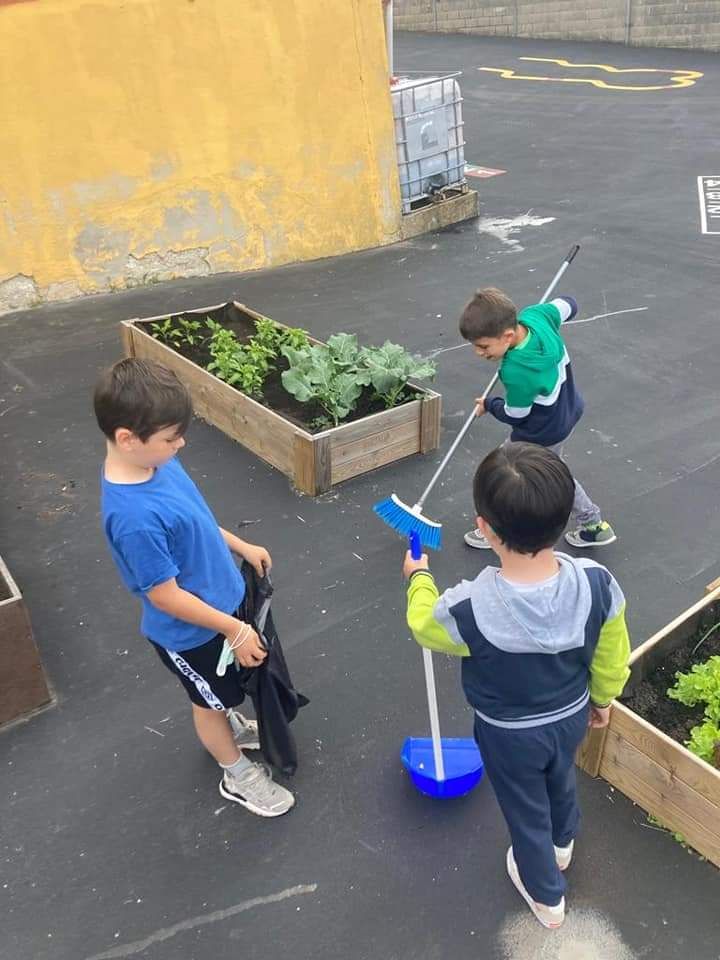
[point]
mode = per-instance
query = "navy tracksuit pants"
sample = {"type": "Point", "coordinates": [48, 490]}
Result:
{"type": "Point", "coordinates": [533, 775]}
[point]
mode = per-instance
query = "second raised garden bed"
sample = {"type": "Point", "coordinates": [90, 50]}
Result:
{"type": "Point", "coordinates": [315, 461]}
{"type": "Point", "coordinates": [23, 688]}
{"type": "Point", "coordinates": [680, 790]}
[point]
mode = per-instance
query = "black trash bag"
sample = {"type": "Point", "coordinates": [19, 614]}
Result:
{"type": "Point", "coordinates": [270, 686]}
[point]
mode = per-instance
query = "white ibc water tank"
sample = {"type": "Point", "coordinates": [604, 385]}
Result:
{"type": "Point", "coordinates": [429, 136]}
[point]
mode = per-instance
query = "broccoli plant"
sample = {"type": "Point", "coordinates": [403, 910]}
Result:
{"type": "Point", "coordinates": [391, 367]}
{"type": "Point", "coordinates": [326, 374]}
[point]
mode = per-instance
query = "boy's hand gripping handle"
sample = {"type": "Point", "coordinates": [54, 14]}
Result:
{"type": "Point", "coordinates": [415, 545]}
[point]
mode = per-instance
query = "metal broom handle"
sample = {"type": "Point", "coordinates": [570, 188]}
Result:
{"type": "Point", "coordinates": [468, 423]}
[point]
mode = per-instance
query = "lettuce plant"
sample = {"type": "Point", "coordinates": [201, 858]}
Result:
{"type": "Point", "coordinates": [701, 686]}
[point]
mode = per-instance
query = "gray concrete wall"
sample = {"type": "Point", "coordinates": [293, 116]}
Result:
{"type": "Point", "coordinates": [652, 23]}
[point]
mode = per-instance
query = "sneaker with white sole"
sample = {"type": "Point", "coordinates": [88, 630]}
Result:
{"type": "Point", "coordinates": [591, 535]}
{"type": "Point", "coordinates": [256, 790]}
{"type": "Point", "coordinates": [473, 538]}
{"type": "Point", "coordinates": [563, 855]}
{"type": "Point", "coordinates": [245, 732]}
{"type": "Point", "coordinates": [550, 917]}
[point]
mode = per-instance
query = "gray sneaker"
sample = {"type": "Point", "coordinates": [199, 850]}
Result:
{"type": "Point", "coordinates": [256, 790]}
{"type": "Point", "coordinates": [245, 732]}
{"type": "Point", "coordinates": [591, 535]}
{"type": "Point", "coordinates": [475, 539]}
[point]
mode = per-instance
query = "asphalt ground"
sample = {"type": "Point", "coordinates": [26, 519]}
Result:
{"type": "Point", "coordinates": [115, 842]}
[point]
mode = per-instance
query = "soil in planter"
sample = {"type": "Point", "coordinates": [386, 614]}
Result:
{"type": "Point", "coordinates": [274, 395]}
{"type": "Point", "coordinates": [650, 700]}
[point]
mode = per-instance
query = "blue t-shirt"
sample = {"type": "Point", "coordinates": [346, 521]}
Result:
{"type": "Point", "coordinates": [161, 529]}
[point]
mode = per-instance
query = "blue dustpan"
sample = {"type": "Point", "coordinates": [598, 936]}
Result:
{"type": "Point", "coordinates": [441, 768]}
{"type": "Point", "coordinates": [462, 766]}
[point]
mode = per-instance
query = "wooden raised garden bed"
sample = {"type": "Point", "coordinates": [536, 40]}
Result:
{"type": "Point", "coordinates": [22, 681]}
{"type": "Point", "coordinates": [314, 461]}
{"type": "Point", "coordinates": [653, 769]}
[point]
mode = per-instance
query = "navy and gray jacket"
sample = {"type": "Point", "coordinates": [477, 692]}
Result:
{"type": "Point", "coordinates": [532, 653]}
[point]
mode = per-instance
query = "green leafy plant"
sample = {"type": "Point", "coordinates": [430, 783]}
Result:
{"type": "Point", "coordinates": [704, 742]}
{"type": "Point", "coordinates": [334, 375]}
{"type": "Point", "coordinates": [701, 686]}
{"type": "Point", "coordinates": [391, 367]}
{"type": "Point", "coordinates": [244, 366]}
{"type": "Point", "coordinates": [326, 374]}
{"type": "Point", "coordinates": [176, 333]}
{"type": "Point", "coordinates": [273, 337]}
{"type": "Point", "coordinates": [190, 331]}
{"type": "Point", "coordinates": [166, 331]}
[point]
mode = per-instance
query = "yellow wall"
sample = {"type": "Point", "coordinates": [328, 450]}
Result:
{"type": "Point", "coordinates": [155, 138]}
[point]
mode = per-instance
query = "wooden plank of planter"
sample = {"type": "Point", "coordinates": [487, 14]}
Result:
{"type": "Point", "coordinates": [675, 804]}
{"type": "Point", "coordinates": [430, 414]}
{"type": "Point", "coordinates": [374, 441]}
{"type": "Point", "coordinates": [126, 333]}
{"type": "Point", "coordinates": [312, 464]}
{"type": "Point", "coordinates": [680, 763]}
{"type": "Point", "coordinates": [589, 753]}
{"type": "Point", "coordinates": [23, 687]}
{"type": "Point", "coordinates": [711, 587]}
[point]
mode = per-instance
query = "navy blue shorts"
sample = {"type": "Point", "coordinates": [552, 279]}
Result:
{"type": "Point", "coordinates": [195, 669]}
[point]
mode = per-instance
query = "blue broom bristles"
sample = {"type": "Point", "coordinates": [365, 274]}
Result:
{"type": "Point", "coordinates": [402, 519]}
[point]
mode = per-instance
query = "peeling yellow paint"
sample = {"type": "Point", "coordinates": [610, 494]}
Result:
{"type": "Point", "coordinates": [259, 133]}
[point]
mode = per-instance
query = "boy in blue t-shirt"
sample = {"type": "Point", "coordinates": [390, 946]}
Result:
{"type": "Point", "coordinates": [172, 554]}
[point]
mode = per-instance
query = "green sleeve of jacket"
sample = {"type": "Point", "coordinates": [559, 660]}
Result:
{"type": "Point", "coordinates": [521, 389]}
{"type": "Point", "coordinates": [422, 596]}
{"type": "Point", "coordinates": [609, 669]}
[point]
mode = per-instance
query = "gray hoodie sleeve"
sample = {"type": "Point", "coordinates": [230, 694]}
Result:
{"type": "Point", "coordinates": [445, 603]}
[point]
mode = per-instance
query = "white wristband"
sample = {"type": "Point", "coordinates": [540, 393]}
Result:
{"type": "Point", "coordinates": [235, 645]}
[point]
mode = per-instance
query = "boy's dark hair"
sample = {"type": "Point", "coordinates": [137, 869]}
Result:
{"type": "Point", "coordinates": [525, 492]}
{"type": "Point", "coordinates": [489, 314]}
{"type": "Point", "coordinates": [142, 396]}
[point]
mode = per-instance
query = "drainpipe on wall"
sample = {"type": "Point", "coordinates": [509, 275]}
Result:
{"type": "Point", "coordinates": [628, 21]}
{"type": "Point", "coordinates": [388, 5]}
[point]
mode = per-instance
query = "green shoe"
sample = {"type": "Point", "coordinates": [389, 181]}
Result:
{"type": "Point", "coordinates": [591, 535]}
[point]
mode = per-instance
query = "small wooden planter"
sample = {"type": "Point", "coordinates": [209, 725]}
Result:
{"type": "Point", "coordinates": [313, 461]}
{"type": "Point", "coordinates": [659, 774]}
{"type": "Point", "coordinates": [23, 687]}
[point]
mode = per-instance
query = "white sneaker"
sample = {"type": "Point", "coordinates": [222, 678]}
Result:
{"type": "Point", "coordinates": [550, 917]}
{"type": "Point", "coordinates": [563, 855]}
{"type": "Point", "coordinates": [245, 732]}
{"type": "Point", "coordinates": [473, 538]}
{"type": "Point", "coordinates": [256, 791]}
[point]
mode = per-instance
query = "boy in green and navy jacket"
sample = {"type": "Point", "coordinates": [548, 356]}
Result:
{"type": "Point", "coordinates": [542, 404]}
{"type": "Point", "coordinates": [545, 650]}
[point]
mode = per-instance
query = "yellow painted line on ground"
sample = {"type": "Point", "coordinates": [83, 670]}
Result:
{"type": "Point", "coordinates": [678, 78]}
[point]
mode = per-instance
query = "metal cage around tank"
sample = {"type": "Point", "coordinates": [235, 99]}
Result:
{"type": "Point", "coordinates": [429, 137]}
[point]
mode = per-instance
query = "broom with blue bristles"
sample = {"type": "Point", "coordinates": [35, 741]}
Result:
{"type": "Point", "coordinates": [406, 519]}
